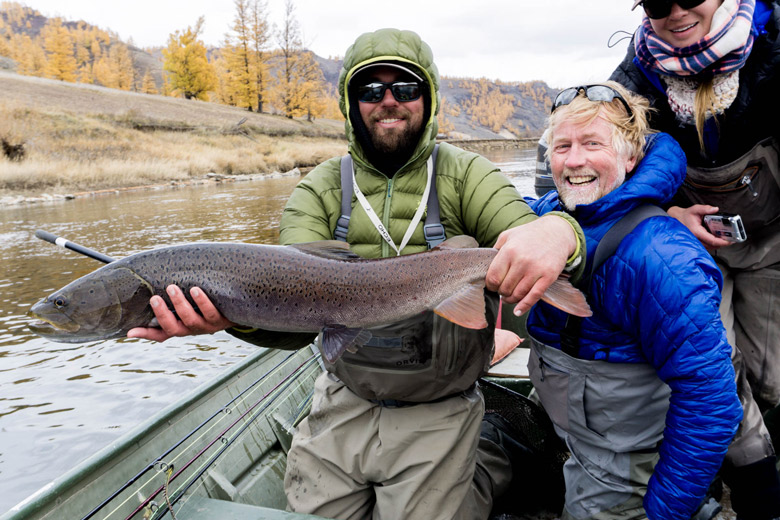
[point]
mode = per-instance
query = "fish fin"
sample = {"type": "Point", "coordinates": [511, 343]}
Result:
{"type": "Point", "coordinates": [506, 341]}
{"type": "Point", "coordinates": [564, 296]}
{"type": "Point", "coordinates": [457, 242]}
{"type": "Point", "coordinates": [338, 338]}
{"type": "Point", "coordinates": [466, 307]}
{"type": "Point", "coordinates": [335, 249]}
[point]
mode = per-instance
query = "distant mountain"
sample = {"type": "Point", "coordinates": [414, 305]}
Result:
{"type": "Point", "coordinates": [527, 105]}
{"type": "Point", "coordinates": [471, 109]}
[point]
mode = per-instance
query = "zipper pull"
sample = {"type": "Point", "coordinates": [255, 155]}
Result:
{"type": "Point", "coordinates": [541, 369]}
{"type": "Point", "coordinates": [746, 181]}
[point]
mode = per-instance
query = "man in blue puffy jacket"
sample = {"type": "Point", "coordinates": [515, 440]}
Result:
{"type": "Point", "coordinates": [642, 392]}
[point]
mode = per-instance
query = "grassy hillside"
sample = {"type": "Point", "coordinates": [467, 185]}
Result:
{"type": "Point", "coordinates": [71, 137]}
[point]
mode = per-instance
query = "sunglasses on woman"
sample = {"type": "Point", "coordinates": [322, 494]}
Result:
{"type": "Point", "coordinates": [656, 9]}
{"type": "Point", "coordinates": [594, 93]}
{"type": "Point", "coordinates": [403, 91]}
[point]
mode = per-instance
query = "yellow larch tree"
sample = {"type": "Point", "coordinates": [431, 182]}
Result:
{"type": "Point", "coordinates": [239, 87]}
{"type": "Point", "coordinates": [58, 44]}
{"type": "Point", "coordinates": [488, 106]}
{"type": "Point", "coordinates": [189, 72]}
{"type": "Point", "coordinates": [445, 125]}
{"type": "Point", "coordinates": [310, 85]}
{"type": "Point", "coordinates": [5, 35]}
{"type": "Point", "coordinates": [29, 56]}
{"type": "Point", "coordinates": [148, 86]}
{"type": "Point", "coordinates": [298, 86]}
{"type": "Point", "coordinates": [260, 35]}
{"type": "Point", "coordinates": [121, 61]}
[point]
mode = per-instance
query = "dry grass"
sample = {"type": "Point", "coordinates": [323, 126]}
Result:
{"type": "Point", "coordinates": [79, 138]}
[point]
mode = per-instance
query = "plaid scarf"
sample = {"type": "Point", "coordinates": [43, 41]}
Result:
{"type": "Point", "coordinates": [724, 49]}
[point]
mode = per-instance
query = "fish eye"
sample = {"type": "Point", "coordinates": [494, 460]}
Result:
{"type": "Point", "coordinates": [59, 301]}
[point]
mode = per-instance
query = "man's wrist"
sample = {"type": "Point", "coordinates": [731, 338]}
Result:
{"type": "Point", "coordinates": [575, 246]}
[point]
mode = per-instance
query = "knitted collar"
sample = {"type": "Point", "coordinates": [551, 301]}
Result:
{"type": "Point", "coordinates": [681, 94]}
{"type": "Point", "coordinates": [725, 48]}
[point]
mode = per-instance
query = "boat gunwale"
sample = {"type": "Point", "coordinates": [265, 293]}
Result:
{"type": "Point", "coordinates": [50, 493]}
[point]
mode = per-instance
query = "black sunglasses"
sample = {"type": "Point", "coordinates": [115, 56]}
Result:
{"type": "Point", "coordinates": [593, 93]}
{"type": "Point", "coordinates": [403, 91]}
{"type": "Point", "coordinates": [656, 9]}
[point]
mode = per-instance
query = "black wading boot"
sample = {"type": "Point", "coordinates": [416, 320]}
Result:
{"type": "Point", "coordinates": [755, 490]}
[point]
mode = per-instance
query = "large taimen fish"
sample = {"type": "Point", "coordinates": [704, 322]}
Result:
{"type": "Point", "coordinates": [314, 287]}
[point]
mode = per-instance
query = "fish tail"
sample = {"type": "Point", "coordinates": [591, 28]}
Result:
{"type": "Point", "coordinates": [563, 295]}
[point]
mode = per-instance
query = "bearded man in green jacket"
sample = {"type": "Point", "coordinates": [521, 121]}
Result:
{"type": "Point", "coordinates": [394, 430]}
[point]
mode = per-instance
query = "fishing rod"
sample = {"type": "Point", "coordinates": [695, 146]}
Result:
{"type": "Point", "coordinates": [253, 415]}
{"type": "Point", "coordinates": [167, 452]}
{"type": "Point", "coordinates": [67, 244]}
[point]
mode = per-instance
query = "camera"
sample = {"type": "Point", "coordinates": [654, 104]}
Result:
{"type": "Point", "coordinates": [726, 226]}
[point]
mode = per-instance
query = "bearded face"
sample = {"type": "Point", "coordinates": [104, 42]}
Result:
{"type": "Point", "coordinates": [393, 126]}
{"type": "Point", "coordinates": [584, 163]}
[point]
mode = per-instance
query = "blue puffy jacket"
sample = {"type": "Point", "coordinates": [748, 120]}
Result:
{"type": "Point", "coordinates": [656, 301]}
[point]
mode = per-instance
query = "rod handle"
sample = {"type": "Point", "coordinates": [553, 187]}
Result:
{"type": "Point", "coordinates": [62, 242]}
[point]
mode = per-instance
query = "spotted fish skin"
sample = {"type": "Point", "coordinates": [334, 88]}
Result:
{"type": "Point", "coordinates": [314, 287]}
{"type": "Point", "coordinates": [287, 288]}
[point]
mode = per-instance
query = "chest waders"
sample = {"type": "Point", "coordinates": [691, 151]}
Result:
{"type": "Point", "coordinates": [611, 415]}
{"type": "Point", "coordinates": [422, 359]}
{"type": "Point", "coordinates": [750, 188]}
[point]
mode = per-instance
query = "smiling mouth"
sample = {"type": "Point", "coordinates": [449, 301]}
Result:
{"type": "Point", "coordinates": [580, 180]}
{"type": "Point", "coordinates": [683, 29]}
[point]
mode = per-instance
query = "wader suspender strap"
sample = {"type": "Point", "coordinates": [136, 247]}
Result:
{"type": "Point", "coordinates": [570, 335]}
{"type": "Point", "coordinates": [433, 228]}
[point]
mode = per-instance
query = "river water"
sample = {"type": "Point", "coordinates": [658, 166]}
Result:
{"type": "Point", "coordinates": [59, 403]}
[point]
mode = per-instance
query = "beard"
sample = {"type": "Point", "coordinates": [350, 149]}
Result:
{"type": "Point", "coordinates": [396, 142]}
{"type": "Point", "coordinates": [573, 196]}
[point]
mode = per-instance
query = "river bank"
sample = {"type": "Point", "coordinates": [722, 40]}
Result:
{"type": "Point", "coordinates": [11, 197]}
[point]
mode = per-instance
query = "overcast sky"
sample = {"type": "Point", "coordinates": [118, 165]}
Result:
{"type": "Point", "coordinates": [562, 42]}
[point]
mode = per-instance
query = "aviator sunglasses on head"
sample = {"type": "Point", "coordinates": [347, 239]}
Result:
{"type": "Point", "coordinates": [403, 91]}
{"type": "Point", "coordinates": [657, 9]}
{"type": "Point", "coordinates": [593, 93]}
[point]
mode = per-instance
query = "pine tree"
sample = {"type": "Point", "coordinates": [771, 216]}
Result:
{"type": "Point", "coordinates": [186, 61]}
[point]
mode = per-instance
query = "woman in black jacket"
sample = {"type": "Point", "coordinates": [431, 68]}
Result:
{"type": "Point", "coordinates": [711, 70]}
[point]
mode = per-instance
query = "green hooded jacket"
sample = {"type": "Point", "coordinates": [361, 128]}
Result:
{"type": "Point", "coordinates": [475, 199]}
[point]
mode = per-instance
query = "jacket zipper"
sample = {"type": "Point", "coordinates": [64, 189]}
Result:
{"type": "Point", "coordinates": [386, 218]}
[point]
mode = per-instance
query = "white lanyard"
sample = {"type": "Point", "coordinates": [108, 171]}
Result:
{"type": "Point", "coordinates": [378, 223]}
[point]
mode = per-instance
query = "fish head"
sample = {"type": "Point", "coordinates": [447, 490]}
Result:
{"type": "Point", "coordinates": [101, 305]}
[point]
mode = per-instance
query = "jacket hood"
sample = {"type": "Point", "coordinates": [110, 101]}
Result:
{"type": "Point", "coordinates": [407, 49]}
{"type": "Point", "coordinates": [655, 180]}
